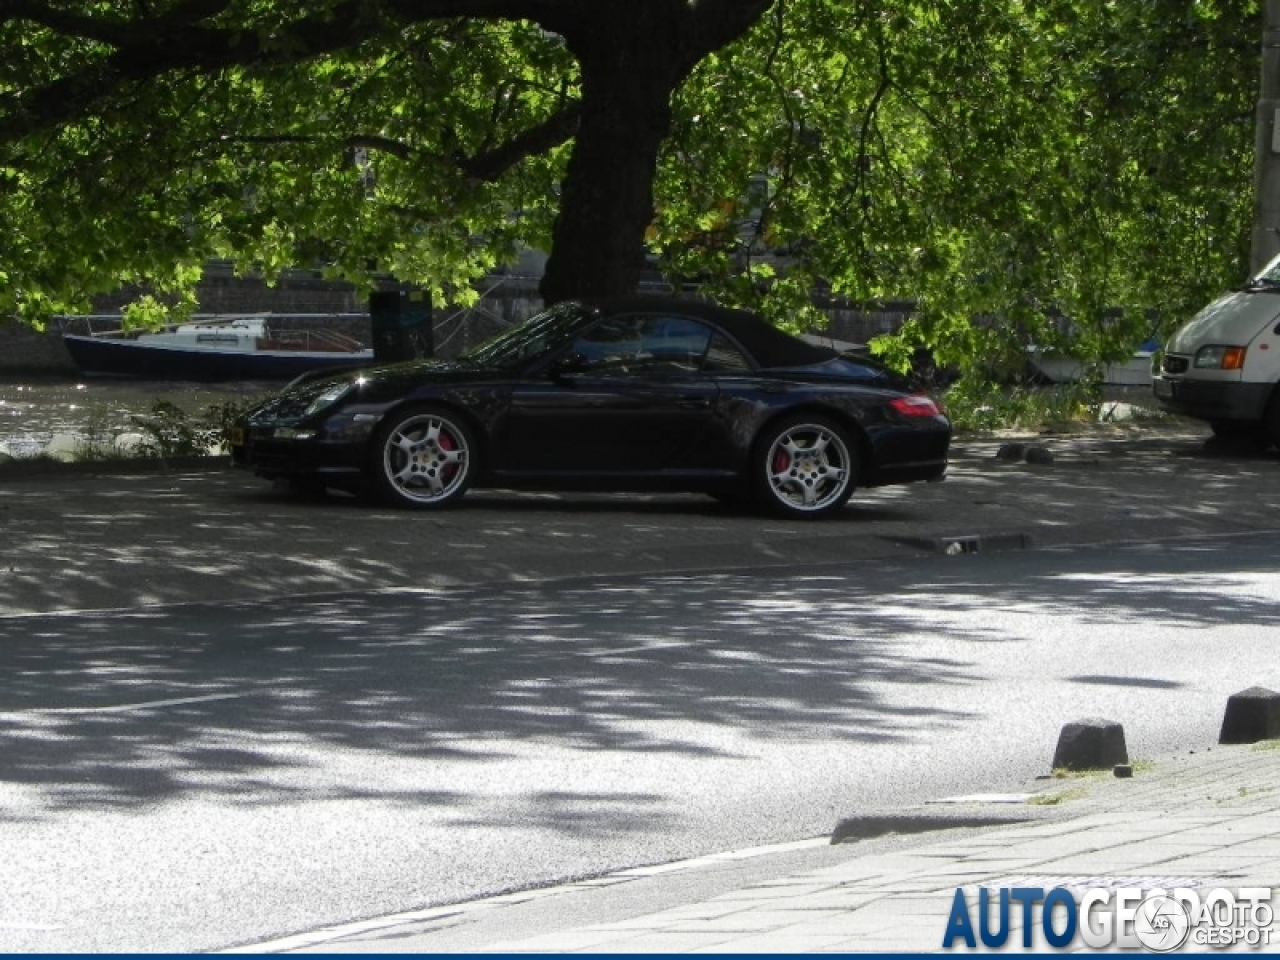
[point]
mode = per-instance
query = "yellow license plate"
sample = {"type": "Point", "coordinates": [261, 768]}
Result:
{"type": "Point", "coordinates": [235, 436]}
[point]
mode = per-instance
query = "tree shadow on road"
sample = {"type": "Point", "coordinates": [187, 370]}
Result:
{"type": "Point", "coordinates": [246, 702]}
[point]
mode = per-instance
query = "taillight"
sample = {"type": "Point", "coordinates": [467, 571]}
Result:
{"type": "Point", "coordinates": [917, 405]}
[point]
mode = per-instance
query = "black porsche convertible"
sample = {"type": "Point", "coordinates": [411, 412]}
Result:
{"type": "Point", "coordinates": [644, 393]}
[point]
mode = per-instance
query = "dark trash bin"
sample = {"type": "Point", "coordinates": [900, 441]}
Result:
{"type": "Point", "coordinates": [401, 325]}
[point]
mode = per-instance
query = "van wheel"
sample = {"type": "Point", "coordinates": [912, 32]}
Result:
{"type": "Point", "coordinates": [1271, 420]}
{"type": "Point", "coordinates": [1244, 432]}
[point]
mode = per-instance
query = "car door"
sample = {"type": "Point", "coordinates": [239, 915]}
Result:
{"type": "Point", "coordinates": [626, 397]}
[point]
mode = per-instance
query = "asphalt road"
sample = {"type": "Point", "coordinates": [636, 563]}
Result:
{"type": "Point", "coordinates": [195, 776]}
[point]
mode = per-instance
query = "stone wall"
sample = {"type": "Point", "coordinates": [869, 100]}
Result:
{"type": "Point", "coordinates": [860, 323]}
{"type": "Point", "coordinates": [23, 351]}
{"type": "Point", "coordinates": [221, 291]}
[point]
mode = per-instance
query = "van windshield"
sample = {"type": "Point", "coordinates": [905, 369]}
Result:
{"type": "Point", "coordinates": [1268, 278]}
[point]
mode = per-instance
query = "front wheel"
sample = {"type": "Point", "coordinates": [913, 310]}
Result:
{"type": "Point", "coordinates": [424, 458]}
{"type": "Point", "coordinates": [1235, 429]}
{"type": "Point", "coordinates": [1240, 434]}
{"type": "Point", "coordinates": [803, 467]}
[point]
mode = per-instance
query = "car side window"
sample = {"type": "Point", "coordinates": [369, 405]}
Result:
{"type": "Point", "coordinates": [654, 345]}
{"type": "Point", "coordinates": [611, 345]}
{"type": "Point", "coordinates": [723, 356]}
{"type": "Point", "coordinates": [675, 344]}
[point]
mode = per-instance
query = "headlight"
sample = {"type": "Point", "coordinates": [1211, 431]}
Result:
{"type": "Point", "coordinates": [327, 399]}
{"type": "Point", "coordinates": [1220, 358]}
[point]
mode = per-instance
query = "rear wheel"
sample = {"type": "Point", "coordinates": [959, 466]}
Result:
{"type": "Point", "coordinates": [803, 466]}
{"type": "Point", "coordinates": [424, 458]}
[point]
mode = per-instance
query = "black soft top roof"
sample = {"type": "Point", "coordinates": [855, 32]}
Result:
{"type": "Point", "coordinates": [767, 345]}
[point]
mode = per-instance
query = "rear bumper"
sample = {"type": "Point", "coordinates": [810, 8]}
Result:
{"type": "Point", "coordinates": [907, 454]}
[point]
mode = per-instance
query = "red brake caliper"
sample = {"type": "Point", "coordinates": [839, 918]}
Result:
{"type": "Point", "coordinates": [447, 443]}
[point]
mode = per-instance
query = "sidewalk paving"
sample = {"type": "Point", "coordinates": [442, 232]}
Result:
{"type": "Point", "coordinates": [1200, 821]}
{"type": "Point", "coordinates": [71, 540]}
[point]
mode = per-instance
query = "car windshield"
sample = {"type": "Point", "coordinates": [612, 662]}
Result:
{"type": "Point", "coordinates": [546, 331]}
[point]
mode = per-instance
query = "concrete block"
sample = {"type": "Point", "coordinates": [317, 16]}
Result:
{"type": "Point", "coordinates": [871, 826]}
{"type": "Point", "coordinates": [1252, 715]}
{"type": "Point", "coordinates": [1090, 744]}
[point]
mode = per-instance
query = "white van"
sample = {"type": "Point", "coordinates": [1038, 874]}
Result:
{"type": "Point", "coordinates": [1223, 365]}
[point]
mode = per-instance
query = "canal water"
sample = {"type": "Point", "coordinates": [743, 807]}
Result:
{"type": "Point", "coordinates": [58, 415]}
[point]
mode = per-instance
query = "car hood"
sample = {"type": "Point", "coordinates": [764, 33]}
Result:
{"type": "Point", "coordinates": [391, 374]}
{"type": "Point", "coordinates": [372, 385]}
{"type": "Point", "coordinates": [1232, 319]}
{"type": "Point", "coordinates": [418, 371]}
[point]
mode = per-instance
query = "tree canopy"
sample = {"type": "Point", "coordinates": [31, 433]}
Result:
{"type": "Point", "coordinates": [1000, 162]}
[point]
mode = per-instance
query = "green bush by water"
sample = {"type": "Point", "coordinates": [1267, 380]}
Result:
{"type": "Point", "coordinates": [169, 431]}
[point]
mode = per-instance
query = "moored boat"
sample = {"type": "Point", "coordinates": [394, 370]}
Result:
{"type": "Point", "coordinates": [221, 348]}
{"type": "Point", "coordinates": [1133, 372]}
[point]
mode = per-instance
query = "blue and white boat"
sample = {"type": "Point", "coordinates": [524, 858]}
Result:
{"type": "Point", "coordinates": [226, 348]}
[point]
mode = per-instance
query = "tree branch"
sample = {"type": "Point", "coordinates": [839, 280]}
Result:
{"type": "Point", "coordinates": [113, 31]}
{"type": "Point", "coordinates": [555, 130]}
{"type": "Point", "coordinates": [145, 48]}
{"type": "Point", "coordinates": [487, 166]}
{"type": "Point", "coordinates": [717, 23]}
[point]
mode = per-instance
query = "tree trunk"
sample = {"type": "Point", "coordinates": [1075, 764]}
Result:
{"type": "Point", "coordinates": [606, 200]}
{"type": "Point", "coordinates": [633, 58]}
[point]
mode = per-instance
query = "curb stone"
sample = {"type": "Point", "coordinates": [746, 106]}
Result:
{"type": "Point", "coordinates": [23, 468]}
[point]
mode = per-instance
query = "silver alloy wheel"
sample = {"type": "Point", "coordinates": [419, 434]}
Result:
{"type": "Point", "coordinates": [426, 459]}
{"type": "Point", "coordinates": [808, 468]}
